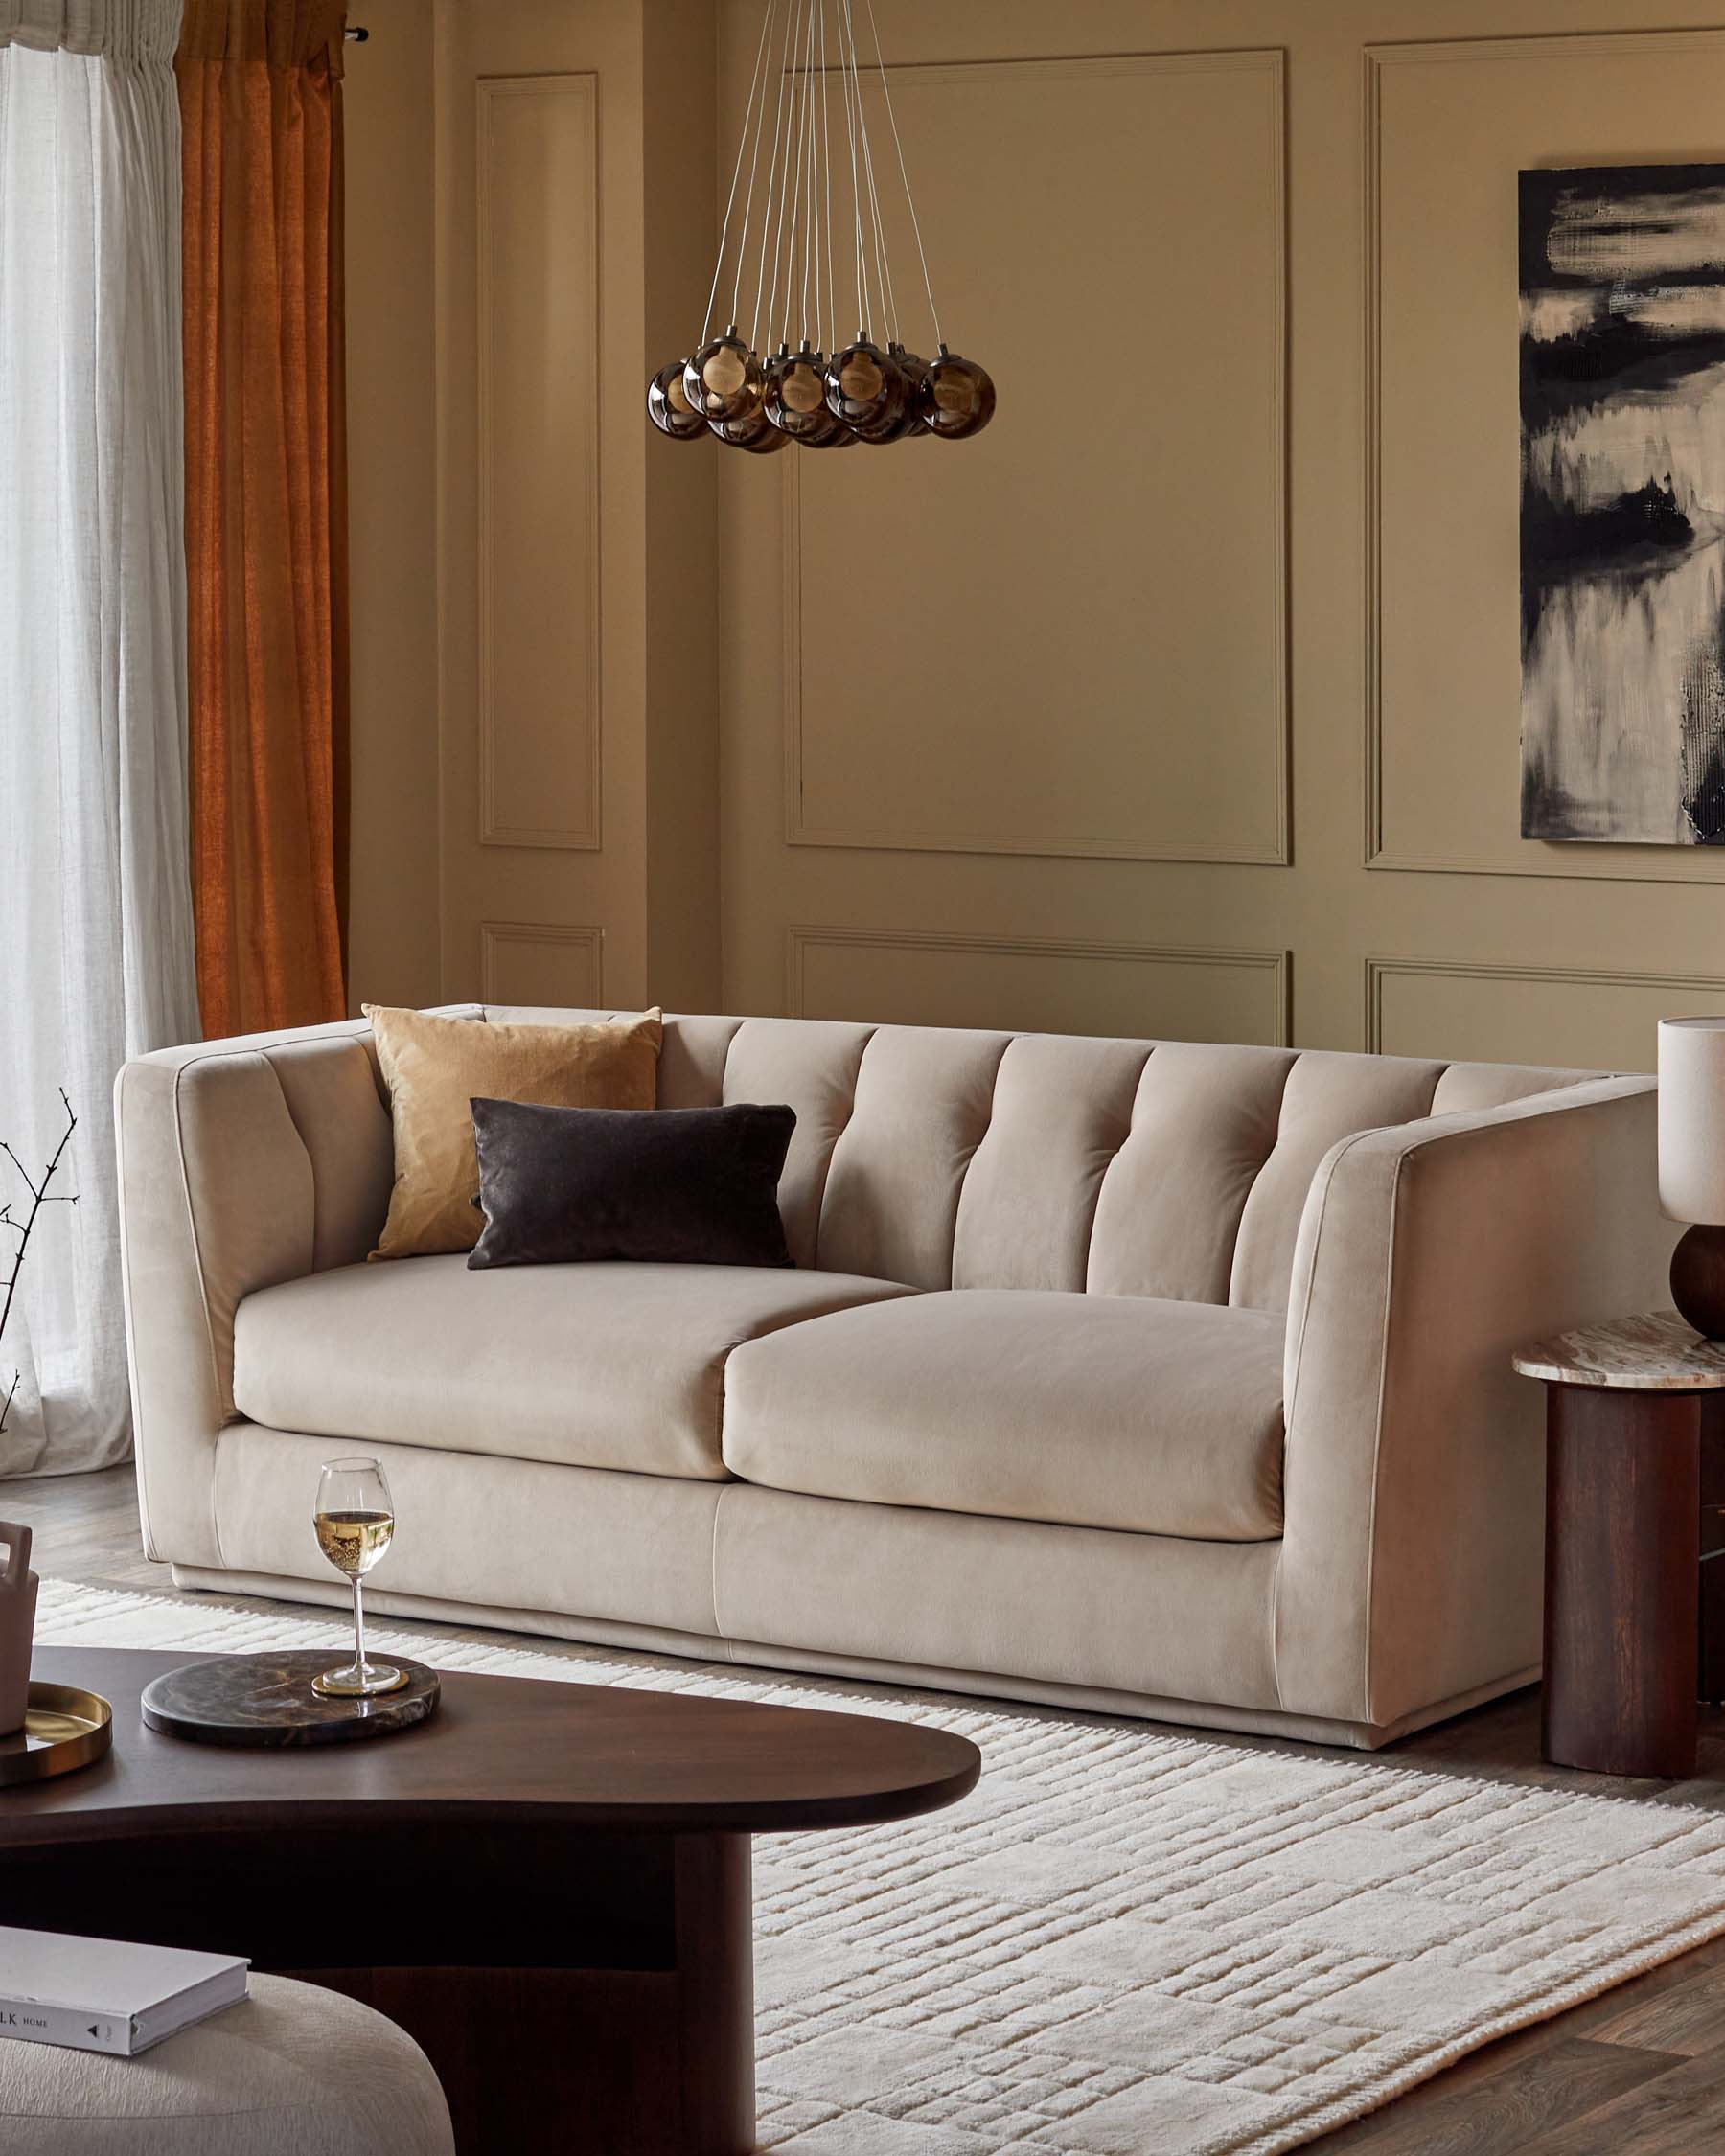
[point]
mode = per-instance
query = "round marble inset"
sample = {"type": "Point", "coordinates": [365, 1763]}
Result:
{"type": "Point", "coordinates": [267, 1701]}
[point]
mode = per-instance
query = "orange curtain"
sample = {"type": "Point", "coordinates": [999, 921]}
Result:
{"type": "Point", "coordinates": [260, 96]}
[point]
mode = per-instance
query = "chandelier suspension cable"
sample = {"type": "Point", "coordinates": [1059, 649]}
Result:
{"type": "Point", "coordinates": [883, 254]}
{"type": "Point", "coordinates": [786, 219]}
{"type": "Point", "coordinates": [811, 321]}
{"type": "Point", "coordinates": [805, 165]}
{"type": "Point", "coordinates": [791, 9]}
{"type": "Point", "coordinates": [882, 262]}
{"type": "Point", "coordinates": [730, 199]}
{"type": "Point", "coordinates": [796, 313]}
{"type": "Point", "coordinates": [826, 131]}
{"type": "Point", "coordinates": [903, 172]}
{"type": "Point", "coordinates": [772, 227]}
{"type": "Point", "coordinates": [850, 125]}
{"type": "Point", "coordinates": [811, 254]}
{"type": "Point", "coordinates": [783, 241]}
{"type": "Point", "coordinates": [755, 159]}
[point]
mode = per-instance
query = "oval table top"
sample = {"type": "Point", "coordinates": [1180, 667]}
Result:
{"type": "Point", "coordinates": [1655, 1352]}
{"type": "Point", "coordinates": [500, 1749]}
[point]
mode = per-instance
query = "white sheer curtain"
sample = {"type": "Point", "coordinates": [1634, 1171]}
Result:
{"type": "Point", "coordinates": [96, 956]}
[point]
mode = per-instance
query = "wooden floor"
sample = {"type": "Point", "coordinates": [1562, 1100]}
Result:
{"type": "Point", "coordinates": [1640, 2072]}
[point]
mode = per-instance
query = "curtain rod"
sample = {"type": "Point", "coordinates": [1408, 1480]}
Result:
{"type": "Point", "coordinates": [356, 35]}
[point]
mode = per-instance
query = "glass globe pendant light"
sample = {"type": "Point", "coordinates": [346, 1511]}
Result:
{"type": "Point", "coordinates": [912, 368]}
{"type": "Point", "coordinates": [722, 381]}
{"type": "Point", "coordinates": [865, 390]}
{"type": "Point", "coordinates": [955, 398]}
{"type": "Point", "coordinates": [757, 433]}
{"type": "Point", "coordinates": [785, 255]}
{"type": "Point", "coordinates": [794, 399]}
{"type": "Point", "coordinates": [668, 404]}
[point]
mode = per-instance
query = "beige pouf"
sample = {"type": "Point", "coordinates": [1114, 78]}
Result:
{"type": "Point", "coordinates": [292, 2071]}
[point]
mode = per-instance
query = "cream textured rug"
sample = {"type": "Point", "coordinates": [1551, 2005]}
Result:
{"type": "Point", "coordinates": [1124, 1944]}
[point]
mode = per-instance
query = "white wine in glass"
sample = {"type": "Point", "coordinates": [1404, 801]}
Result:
{"type": "Point", "coordinates": [353, 1522]}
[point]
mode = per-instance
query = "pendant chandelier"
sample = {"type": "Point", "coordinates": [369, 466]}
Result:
{"type": "Point", "coordinates": [810, 239]}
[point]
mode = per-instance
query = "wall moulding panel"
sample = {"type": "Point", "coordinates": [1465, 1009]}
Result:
{"type": "Point", "coordinates": [1034, 983]}
{"type": "Point", "coordinates": [535, 962]}
{"type": "Point", "coordinates": [1442, 442]}
{"type": "Point", "coordinates": [538, 617]}
{"type": "Point", "coordinates": [1067, 638]}
{"type": "Point", "coordinates": [1573, 1017]}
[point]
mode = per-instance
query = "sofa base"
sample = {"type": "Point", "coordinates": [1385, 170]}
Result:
{"type": "Point", "coordinates": [1312, 1729]}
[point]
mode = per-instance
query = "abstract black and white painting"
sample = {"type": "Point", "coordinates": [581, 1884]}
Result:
{"type": "Point", "coordinates": [1623, 506]}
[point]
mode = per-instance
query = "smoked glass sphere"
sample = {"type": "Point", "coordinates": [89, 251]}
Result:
{"type": "Point", "coordinates": [956, 398]}
{"type": "Point", "coordinates": [912, 367]}
{"type": "Point", "coordinates": [794, 398]}
{"type": "Point", "coordinates": [908, 421]}
{"type": "Point", "coordinates": [865, 390]}
{"type": "Point", "coordinates": [882, 431]}
{"type": "Point", "coordinates": [668, 404]}
{"type": "Point", "coordinates": [756, 433]}
{"type": "Point", "coordinates": [722, 381]}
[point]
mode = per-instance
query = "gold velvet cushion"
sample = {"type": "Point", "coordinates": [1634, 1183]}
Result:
{"type": "Point", "coordinates": [436, 1068]}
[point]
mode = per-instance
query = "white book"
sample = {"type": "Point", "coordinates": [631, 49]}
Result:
{"type": "Point", "coordinates": [107, 1995]}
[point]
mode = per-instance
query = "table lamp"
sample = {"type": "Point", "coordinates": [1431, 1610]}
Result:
{"type": "Point", "coordinates": [1691, 1164]}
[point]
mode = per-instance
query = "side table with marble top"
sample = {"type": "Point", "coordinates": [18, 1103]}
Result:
{"type": "Point", "coordinates": [1635, 1541]}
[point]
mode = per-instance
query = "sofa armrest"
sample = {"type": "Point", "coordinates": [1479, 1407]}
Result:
{"type": "Point", "coordinates": [243, 1164]}
{"type": "Point", "coordinates": [1414, 1471]}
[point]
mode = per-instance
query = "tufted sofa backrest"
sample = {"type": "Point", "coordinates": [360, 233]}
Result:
{"type": "Point", "coordinates": [952, 1159]}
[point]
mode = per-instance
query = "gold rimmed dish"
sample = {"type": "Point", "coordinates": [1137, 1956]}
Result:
{"type": "Point", "coordinates": [65, 1727]}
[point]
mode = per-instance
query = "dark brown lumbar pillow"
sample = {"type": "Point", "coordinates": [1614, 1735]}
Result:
{"type": "Point", "coordinates": [658, 1186]}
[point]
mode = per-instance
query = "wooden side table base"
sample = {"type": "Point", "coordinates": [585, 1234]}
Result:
{"type": "Point", "coordinates": [1622, 1559]}
{"type": "Point", "coordinates": [1634, 1509]}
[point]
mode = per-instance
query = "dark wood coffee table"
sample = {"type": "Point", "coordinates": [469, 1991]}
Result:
{"type": "Point", "coordinates": [547, 1885]}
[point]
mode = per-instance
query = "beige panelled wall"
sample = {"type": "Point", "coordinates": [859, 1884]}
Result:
{"type": "Point", "coordinates": [1038, 693]}
{"type": "Point", "coordinates": [536, 693]}
{"type": "Point", "coordinates": [1139, 991]}
{"type": "Point", "coordinates": [1063, 648]}
{"type": "Point", "coordinates": [392, 507]}
{"type": "Point", "coordinates": [1184, 701]}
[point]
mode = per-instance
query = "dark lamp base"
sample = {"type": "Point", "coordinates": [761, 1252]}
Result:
{"type": "Point", "coordinates": [1698, 1279]}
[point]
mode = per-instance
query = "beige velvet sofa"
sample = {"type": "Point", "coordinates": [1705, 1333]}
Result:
{"type": "Point", "coordinates": [1164, 1378]}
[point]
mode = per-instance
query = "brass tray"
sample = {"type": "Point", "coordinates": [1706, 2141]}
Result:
{"type": "Point", "coordinates": [65, 1727]}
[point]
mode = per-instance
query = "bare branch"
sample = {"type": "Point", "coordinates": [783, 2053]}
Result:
{"type": "Point", "coordinates": [39, 1196]}
{"type": "Point", "coordinates": [29, 1185]}
{"type": "Point", "coordinates": [65, 1140]}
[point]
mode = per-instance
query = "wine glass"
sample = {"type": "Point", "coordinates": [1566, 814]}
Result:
{"type": "Point", "coordinates": [354, 1520]}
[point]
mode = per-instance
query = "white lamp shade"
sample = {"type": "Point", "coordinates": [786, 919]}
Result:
{"type": "Point", "coordinates": [1692, 1118]}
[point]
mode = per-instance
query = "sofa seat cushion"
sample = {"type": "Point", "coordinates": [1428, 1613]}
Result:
{"type": "Point", "coordinates": [1093, 1410]}
{"type": "Point", "coordinates": [592, 1365]}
